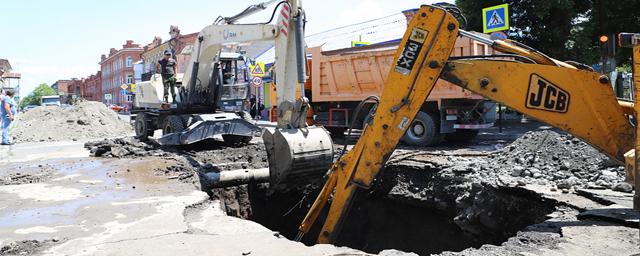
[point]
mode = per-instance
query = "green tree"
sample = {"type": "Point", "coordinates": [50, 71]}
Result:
{"type": "Point", "coordinates": [542, 24]}
{"type": "Point", "coordinates": [34, 97]}
{"type": "Point", "coordinates": [563, 29]}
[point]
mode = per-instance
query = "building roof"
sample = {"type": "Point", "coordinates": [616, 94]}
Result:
{"type": "Point", "coordinates": [12, 75]}
{"type": "Point", "coordinates": [129, 46]}
{"type": "Point", "coordinates": [4, 63]}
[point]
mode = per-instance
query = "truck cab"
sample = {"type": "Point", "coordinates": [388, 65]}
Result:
{"type": "Point", "coordinates": [53, 100]}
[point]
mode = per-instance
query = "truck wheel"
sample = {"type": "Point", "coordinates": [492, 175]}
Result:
{"type": "Point", "coordinates": [336, 132]}
{"type": "Point", "coordinates": [462, 135]}
{"type": "Point", "coordinates": [424, 131]}
{"type": "Point", "coordinates": [143, 127]}
{"type": "Point", "coordinates": [233, 139]}
{"type": "Point", "coordinates": [172, 124]}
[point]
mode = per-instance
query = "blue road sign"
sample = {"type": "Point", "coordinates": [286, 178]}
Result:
{"type": "Point", "coordinates": [495, 18]}
{"type": "Point", "coordinates": [124, 92]}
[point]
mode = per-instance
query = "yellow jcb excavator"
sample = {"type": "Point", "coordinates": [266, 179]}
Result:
{"type": "Point", "coordinates": [566, 95]}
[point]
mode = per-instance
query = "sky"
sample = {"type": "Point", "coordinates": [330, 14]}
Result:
{"type": "Point", "coordinates": [47, 40]}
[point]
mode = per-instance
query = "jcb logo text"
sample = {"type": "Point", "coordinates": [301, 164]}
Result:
{"type": "Point", "coordinates": [544, 95]}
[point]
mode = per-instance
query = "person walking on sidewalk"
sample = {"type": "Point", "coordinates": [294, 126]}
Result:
{"type": "Point", "coordinates": [168, 68]}
{"type": "Point", "coordinates": [8, 115]}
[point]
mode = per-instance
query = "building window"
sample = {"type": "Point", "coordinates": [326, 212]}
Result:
{"type": "Point", "coordinates": [129, 79]}
{"type": "Point", "coordinates": [129, 62]}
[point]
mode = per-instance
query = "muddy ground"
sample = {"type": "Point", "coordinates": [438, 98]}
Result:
{"type": "Point", "coordinates": [501, 199]}
{"type": "Point", "coordinates": [193, 162]}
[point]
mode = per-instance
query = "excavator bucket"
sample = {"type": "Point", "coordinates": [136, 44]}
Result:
{"type": "Point", "coordinates": [297, 156]}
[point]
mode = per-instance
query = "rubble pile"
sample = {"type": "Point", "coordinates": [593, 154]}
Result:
{"type": "Point", "coordinates": [488, 197]}
{"type": "Point", "coordinates": [209, 155]}
{"type": "Point", "coordinates": [122, 147]}
{"type": "Point", "coordinates": [542, 158]}
{"type": "Point", "coordinates": [87, 119]}
{"type": "Point", "coordinates": [563, 160]}
{"type": "Point", "coordinates": [198, 158]}
{"type": "Point", "coordinates": [18, 178]}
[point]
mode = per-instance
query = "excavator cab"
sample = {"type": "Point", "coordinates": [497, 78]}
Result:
{"type": "Point", "coordinates": [234, 86]}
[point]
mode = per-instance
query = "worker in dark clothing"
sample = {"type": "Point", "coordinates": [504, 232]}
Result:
{"type": "Point", "coordinates": [253, 111]}
{"type": "Point", "coordinates": [168, 68]}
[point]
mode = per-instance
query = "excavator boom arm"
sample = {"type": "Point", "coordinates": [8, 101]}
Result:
{"type": "Point", "coordinates": [580, 102]}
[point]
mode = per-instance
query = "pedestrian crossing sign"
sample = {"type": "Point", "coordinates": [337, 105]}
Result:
{"type": "Point", "coordinates": [258, 69]}
{"type": "Point", "coordinates": [495, 18]}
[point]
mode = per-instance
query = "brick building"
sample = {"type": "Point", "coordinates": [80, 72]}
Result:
{"type": "Point", "coordinates": [116, 70]}
{"type": "Point", "coordinates": [154, 51]}
{"type": "Point", "coordinates": [10, 79]}
{"type": "Point", "coordinates": [61, 87]}
{"type": "Point", "coordinates": [74, 90]}
{"type": "Point", "coordinates": [92, 87]}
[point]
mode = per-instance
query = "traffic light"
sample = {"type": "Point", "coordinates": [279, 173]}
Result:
{"type": "Point", "coordinates": [607, 52]}
{"type": "Point", "coordinates": [607, 45]}
{"type": "Point", "coordinates": [604, 39]}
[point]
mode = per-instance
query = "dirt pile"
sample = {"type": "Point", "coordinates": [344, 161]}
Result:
{"type": "Point", "coordinates": [87, 119]}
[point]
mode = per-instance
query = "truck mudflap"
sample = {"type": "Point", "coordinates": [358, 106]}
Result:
{"type": "Point", "coordinates": [210, 125]}
{"type": "Point", "coordinates": [473, 126]}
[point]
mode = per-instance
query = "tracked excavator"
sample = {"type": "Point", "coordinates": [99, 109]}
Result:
{"type": "Point", "coordinates": [567, 95]}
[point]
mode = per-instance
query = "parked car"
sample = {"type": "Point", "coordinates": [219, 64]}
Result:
{"type": "Point", "coordinates": [116, 108]}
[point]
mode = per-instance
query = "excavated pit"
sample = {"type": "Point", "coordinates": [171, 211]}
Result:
{"type": "Point", "coordinates": [411, 209]}
{"type": "Point", "coordinates": [425, 201]}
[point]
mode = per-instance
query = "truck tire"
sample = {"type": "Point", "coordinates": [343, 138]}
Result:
{"type": "Point", "coordinates": [336, 132]}
{"type": "Point", "coordinates": [143, 127]}
{"type": "Point", "coordinates": [233, 139]}
{"type": "Point", "coordinates": [462, 135]}
{"type": "Point", "coordinates": [172, 124]}
{"type": "Point", "coordinates": [424, 131]}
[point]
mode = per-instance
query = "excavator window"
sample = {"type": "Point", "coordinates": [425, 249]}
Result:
{"type": "Point", "coordinates": [232, 89]}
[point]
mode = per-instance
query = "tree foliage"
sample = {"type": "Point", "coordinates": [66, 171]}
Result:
{"type": "Point", "coordinates": [34, 97]}
{"type": "Point", "coordinates": [563, 29]}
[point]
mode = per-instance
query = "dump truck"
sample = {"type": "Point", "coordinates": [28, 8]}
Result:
{"type": "Point", "coordinates": [341, 78]}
